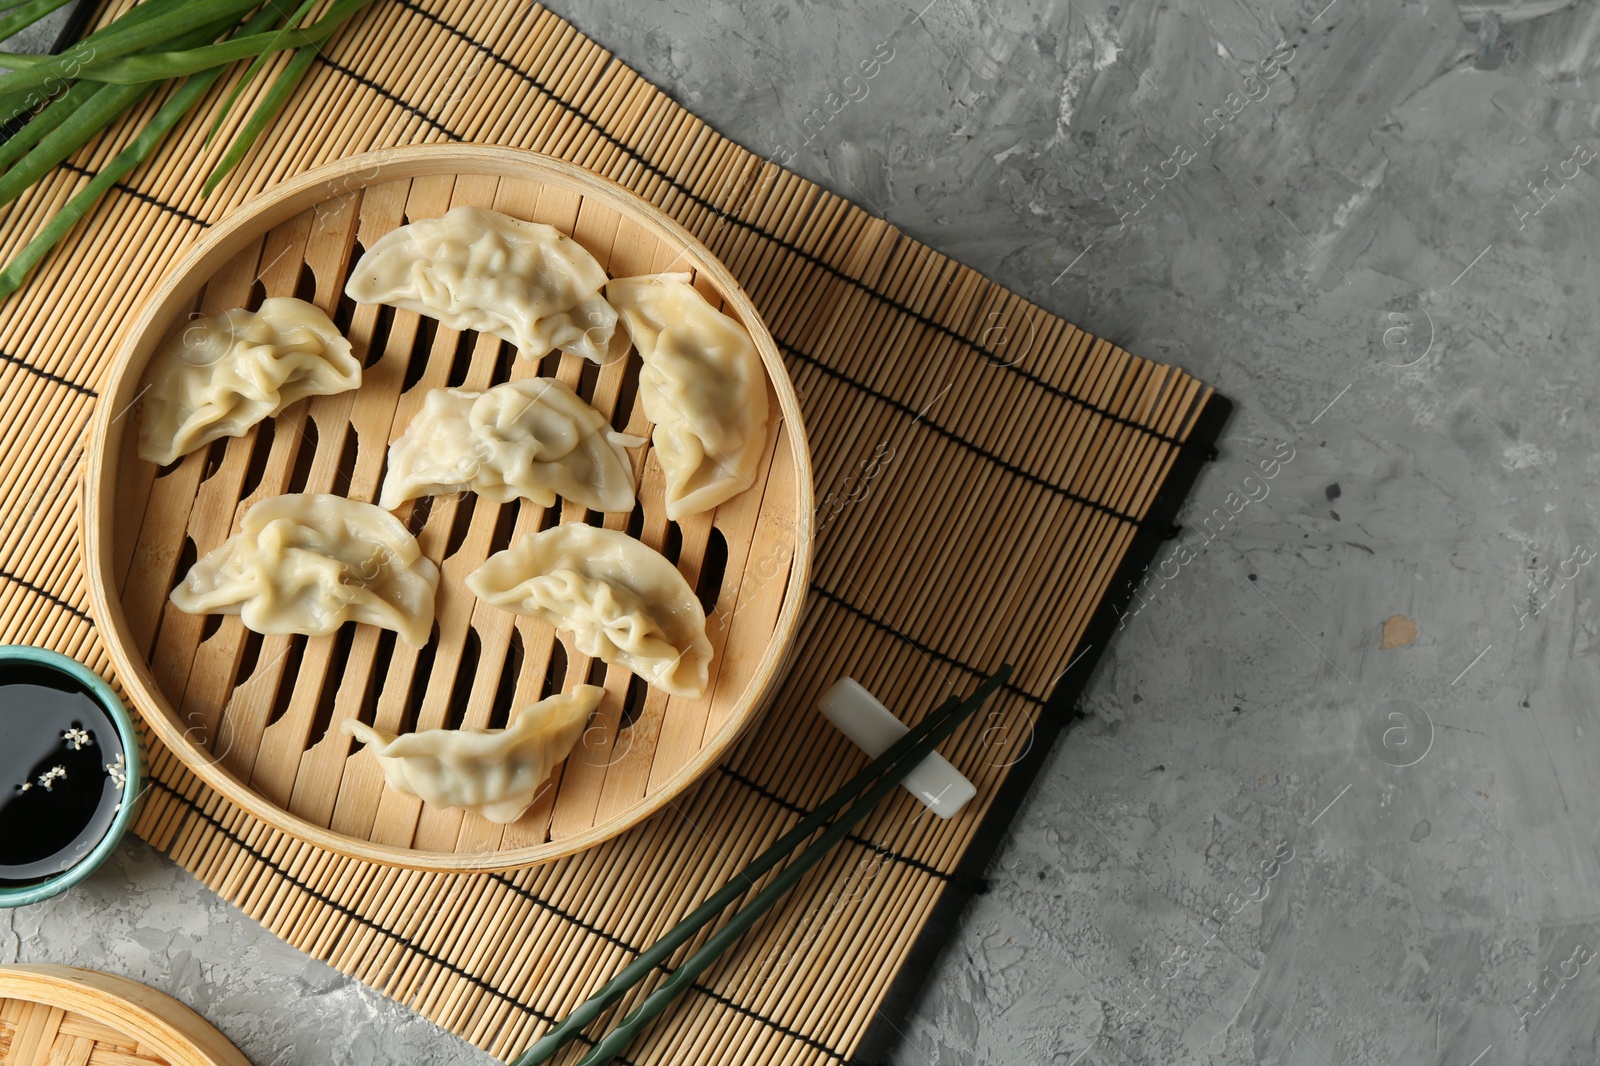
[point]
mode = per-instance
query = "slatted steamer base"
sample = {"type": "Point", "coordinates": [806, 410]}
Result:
{"type": "Point", "coordinates": [260, 717]}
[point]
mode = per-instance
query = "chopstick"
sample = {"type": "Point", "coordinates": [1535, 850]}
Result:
{"type": "Point", "coordinates": [892, 766]}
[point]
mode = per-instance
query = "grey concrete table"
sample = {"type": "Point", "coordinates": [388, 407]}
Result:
{"type": "Point", "coordinates": [1287, 832]}
{"type": "Point", "coordinates": [39, 37]}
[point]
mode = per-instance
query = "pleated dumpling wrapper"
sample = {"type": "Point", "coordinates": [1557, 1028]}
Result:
{"type": "Point", "coordinates": [494, 772]}
{"type": "Point", "coordinates": [472, 268]}
{"type": "Point", "coordinates": [533, 438]}
{"type": "Point", "coordinates": [621, 600]}
{"type": "Point", "coordinates": [308, 563]}
{"type": "Point", "coordinates": [224, 373]}
{"type": "Point", "coordinates": [703, 386]}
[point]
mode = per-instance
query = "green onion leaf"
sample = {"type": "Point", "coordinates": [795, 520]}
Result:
{"type": "Point", "coordinates": [271, 103]}
{"type": "Point", "coordinates": [57, 112]}
{"type": "Point", "coordinates": [155, 66]}
{"type": "Point", "coordinates": [137, 150]}
{"type": "Point", "coordinates": [162, 27]}
{"type": "Point", "coordinates": [273, 100]}
{"type": "Point", "coordinates": [260, 61]}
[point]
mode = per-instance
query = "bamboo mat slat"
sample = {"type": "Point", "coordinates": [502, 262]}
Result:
{"type": "Point", "coordinates": [978, 504]}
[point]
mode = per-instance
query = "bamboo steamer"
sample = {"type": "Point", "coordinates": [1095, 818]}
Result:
{"type": "Point", "coordinates": [61, 1014]}
{"type": "Point", "coordinates": [258, 718]}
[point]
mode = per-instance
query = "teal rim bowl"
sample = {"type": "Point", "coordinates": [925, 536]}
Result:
{"type": "Point", "coordinates": [22, 895]}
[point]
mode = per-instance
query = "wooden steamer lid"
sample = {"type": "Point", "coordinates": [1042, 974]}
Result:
{"type": "Point", "coordinates": [65, 1016]}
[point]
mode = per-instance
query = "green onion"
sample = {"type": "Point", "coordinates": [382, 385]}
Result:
{"type": "Point", "coordinates": [271, 103]}
{"type": "Point", "coordinates": [82, 124]}
{"type": "Point", "coordinates": [894, 764]}
{"type": "Point", "coordinates": [255, 66]}
{"type": "Point", "coordinates": [156, 66]}
{"type": "Point", "coordinates": [166, 26]}
{"type": "Point", "coordinates": [137, 15]}
{"type": "Point", "coordinates": [88, 86]}
{"type": "Point", "coordinates": [54, 114]}
{"type": "Point", "coordinates": [125, 161]}
{"type": "Point", "coordinates": [273, 99]}
{"type": "Point", "coordinates": [15, 102]}
{"type": "Point", "coordinates": [76, 130]}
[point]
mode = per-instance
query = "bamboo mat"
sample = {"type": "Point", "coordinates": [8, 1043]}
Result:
{"type": "Point", "coordinates": [991, 481]}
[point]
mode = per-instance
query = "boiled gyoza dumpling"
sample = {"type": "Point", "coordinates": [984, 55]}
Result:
{"type": "Point", "coordinates": [310, 562]}
{"type": "Point", "coordinates": [533, 438]}
{"type": "Point", "coordinates": [702, 385]}
{"type": "Point", "coordinates": [621, 600]}
{"type": "Point", "coordinates": [495, 772]}
{"type": "Point", "coordinates": [472, 268]}
{"type": "Point", "coordinates": [225, 373]}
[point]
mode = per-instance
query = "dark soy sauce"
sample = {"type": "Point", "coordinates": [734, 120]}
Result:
{"type": "Point", "coordinates": [62, 770]}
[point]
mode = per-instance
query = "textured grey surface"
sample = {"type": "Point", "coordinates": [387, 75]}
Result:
{"type": "Point", "coordinates": [1355, 258]}
{"type": "Point", "coordinates": [39, 37]}
{"type": "Point", "coordinates": [141, 916]}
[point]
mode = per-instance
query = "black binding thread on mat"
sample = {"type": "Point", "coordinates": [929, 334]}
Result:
{"type": "Point", "coordinates": [829, 268]}
{"type": "Point", "coordinates": [398, 101]}
{"type": "Point", "coordinates": [809, 1041]}
{"type": "Point", "coordinates": [543, 904]}
{"type": "Point", "coordinates": [854, 838]}
{"type": "Point", "coordinates": [138, 194]}
{"type": "Point", "coordinates": [410, 945]}
{"type": "Point", "coordinates": [932, 652]}
{"type": "Point", "coordinates": [886, 1029]}
{"type": "Point", "coordinates": [1004, 464]}
{"type": "Point", "coordinates": [196, 811]}
{"type": "Point", "coordinates": [18, 361]}
{"type": "Point", "coordinates": [46, 594]}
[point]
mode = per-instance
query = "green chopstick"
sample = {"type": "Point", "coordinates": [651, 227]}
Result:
{"type": "Point", "coordinates": [684, 975]}
{"type": "Point", "coordinates": [896, 763]}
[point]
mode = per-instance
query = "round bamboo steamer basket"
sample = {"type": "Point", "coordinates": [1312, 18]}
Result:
{"type": "Point", "coordinates": [61, 1014]}
{"type": "Point", "coordinates": [258, 718]}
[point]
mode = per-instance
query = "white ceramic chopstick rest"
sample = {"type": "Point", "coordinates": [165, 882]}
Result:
{"type": "Point", "coordinates": [857, 714]}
